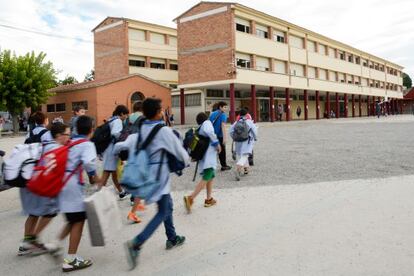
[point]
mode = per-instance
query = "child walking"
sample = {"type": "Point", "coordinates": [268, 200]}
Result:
{"type": "Point", "coordinates": [207, 165]}
{"type": "Point", "coordinates": [164, 141]}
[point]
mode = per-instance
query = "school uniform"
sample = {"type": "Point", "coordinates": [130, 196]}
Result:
{"type": "Point", "coordinates": [72, 195]}
{"type": "Point", "coordinates": [208, 164]}
{"type": "Point", "coordinates": [109, 159]}
{"type": "Point", "coordinates": [45, 138]}
{"type": "Point", "coordinates": [35, 205]}
{"type": "Point", "coordinates": [245, 148]}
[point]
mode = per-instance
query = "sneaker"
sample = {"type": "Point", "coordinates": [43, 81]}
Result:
{"type": "Point", "coordinates": [141, 207]}
{"type": "Point", "coordinates": [75, 264]}
{"type": "Point", "coordinates": [25, 248]}
{"type": "Point", "coordinates": [237, 175]}
{"type": "Point", "coordinates": [209, 202]}
{"type": "Point", "coordinates": [188, 202]}
{"type": "Point", "coordinates": [179, 240]}
{"type": "Point", "coordinates": [131, 254]}
{"type": "Point", "coordinates": [246, 171]}
{"type": "Point", "coordinates": [38, 248]}
{"type": "Point", "coordinates": [132, 217]}
{"type": "Point", "coordinates": [122, 194]}
{"type": "Point", "coordinates": [225, 168]}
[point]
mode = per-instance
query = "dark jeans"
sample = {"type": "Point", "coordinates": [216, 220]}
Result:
{"type": "Point", "coordinates": [164, 214]}
{"type": "Point", "coordinates": [222, 154]}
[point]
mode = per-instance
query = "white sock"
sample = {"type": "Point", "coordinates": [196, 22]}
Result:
{"type": "Point", "coordinates": [70, 257]}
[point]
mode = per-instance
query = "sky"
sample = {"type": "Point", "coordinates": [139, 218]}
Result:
{"type": "Point", "coordinates": [384, 28]}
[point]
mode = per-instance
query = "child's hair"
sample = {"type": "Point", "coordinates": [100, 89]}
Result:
{"type": "Point", "coordinates": [221, 104]}
{"type": "Point", "coordinates": [137, 106]}
{"type": "Point", "coordinates": [151, 107]}
{"type": "Point", "coordinates": [39, 118]}
{"type": "Point", "coordinates": [120, 110]}
{"type": "Point", "coordinates": [84, 125]}
{"type": "Point", "coordinates": [201, 118]}
{"type": "Point", "coordinates": [78, 108]}
{"type": "Point", "coordinates": [243, 112]}
{"type": "Point", "coordinates": [57, 128]}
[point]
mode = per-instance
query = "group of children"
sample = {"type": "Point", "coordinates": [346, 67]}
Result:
{"type": "Point", "coordinates": [70, 201]}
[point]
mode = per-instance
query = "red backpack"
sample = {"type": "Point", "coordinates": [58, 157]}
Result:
{"type": "Point", "coordinates": [48, 176]}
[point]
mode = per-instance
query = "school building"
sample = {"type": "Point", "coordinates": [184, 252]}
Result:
{"type": "Point", "coordinates": [230, 52]}
{"type": "Point", "coordinates": [133, 60]}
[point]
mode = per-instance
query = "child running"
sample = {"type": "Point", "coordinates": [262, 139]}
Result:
{"type": "Point", "coordinates": [207, 165]}
{"type": "Point", "coordinates": [164, 141]}
{"type": "Point", "coordinates": [40, 210]}
{"type": "Point", "coordinates": [119, 115]}
{"type": "Point", "coordinates": [71, 198]}
{"type": "Point", "coordinates": [244, 134]}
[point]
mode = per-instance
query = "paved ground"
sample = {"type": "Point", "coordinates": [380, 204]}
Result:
{"type": "Point", "coordinates": [326, 198]}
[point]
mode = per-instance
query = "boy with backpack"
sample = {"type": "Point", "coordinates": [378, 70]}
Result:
{"type": "Point", "coordinates": [39, 133]}
{"type": "Point", "coordinates": [40, 209]}
{"type": "Point", "coordinates": [155, 141]}
{"type": "Point", "coordinates": [110, 161]}
{"type": "Point", "coordinates": [207, 164]}
{"type": "Point", "coordinates": [244, 134]}
{"type": "Point", "coordinates": [219, 120]}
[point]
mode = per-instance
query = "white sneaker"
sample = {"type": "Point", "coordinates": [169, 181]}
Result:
{"type": "Point", "coordinates": [75, 264]}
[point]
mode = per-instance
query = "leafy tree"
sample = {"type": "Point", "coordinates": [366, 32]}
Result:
{"type": "Point", "coordinates": [24, 81]}
{"type": "Point", "coordinates": [68, 80]}
{"type": "Point", "coordinates": [407, 82]}
{"type": "Point", "coordinates": [90, 76]}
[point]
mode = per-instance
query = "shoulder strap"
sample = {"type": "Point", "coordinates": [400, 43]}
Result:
{"type": "Point", "coordinates": [40, 134]}
{"type": "Point", "coordinates": [218, 116]}
{"type": "Point", "coordinates": [150, 137]}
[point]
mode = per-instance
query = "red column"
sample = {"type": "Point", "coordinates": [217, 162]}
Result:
{"type": "Point", "coordinates": [395, 107]}
{"type": "Point", "coordinates": [328, 105]}
{"type": "Point", "coordinates": [392, 106]}
{"type": "Point", "coordinates": [287, 96]}
{"type": "Point", "coordinates": [253, 103]}
{"type": "Point", "coordinates": [353, 105]}
{"type": "Point", "coordinates": [345, 105]}
{"type": "Point", "coordinates": [337, 105]}
{"type": "Point", "coordinates": [368, 107]}
{"type": "Point", "coordinates": [305, 95]}
{"type": "Point", "coordinates": [318, 107]}
{"type": "Point", "coordinates": [182, 106]}
{"type": "Point", "coordinates": [272, 104]}
{"type": "Point", "coordinates": [232, 104]}
{"type": "Point", "coordinates": [360, 105]}
{"type": "Point", "coordinates": [373, 106]}
{"type": "Point", "coordinates": [401, 106]}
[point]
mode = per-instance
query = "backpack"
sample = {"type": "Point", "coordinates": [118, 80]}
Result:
{"type": "Point", "coordinates": [102, 137]}
{"type": "Point", "coordinates": [48, 176]}
{"type": "Point", "coordinates": [18, 168]}
{"type": "Point", "coordinates": [196, 144]}
{"type": "Point", "coordinates": [2, 153]}
{"type": "Point", "coordinates": [35, 138]}
{"type": "Point", "coordinates": [241, 131]}
{"type": "Point", "coordinates": [137, 177]}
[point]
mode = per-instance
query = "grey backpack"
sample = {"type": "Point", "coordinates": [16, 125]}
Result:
{"type": "Point", "coordinates": [241, 131]}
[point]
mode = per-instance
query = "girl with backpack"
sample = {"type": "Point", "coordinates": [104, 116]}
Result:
{"type": "Point", "coordinates": [244, 134]}
{"type": "Point", "coordinates": [110, 160]}
{"type": "Point", "coordinates": [207, 165]}
{"type": "Point", "coordinates": [40, 210]}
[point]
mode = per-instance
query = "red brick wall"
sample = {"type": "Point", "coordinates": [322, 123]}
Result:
{"type": "Point", "coordinates": [215, 29]}
{"type": "Point", "coordinates": [111, 51]}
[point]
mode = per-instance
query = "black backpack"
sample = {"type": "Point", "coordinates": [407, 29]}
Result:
{"type": "Point", "coordinates": [196, 144]}
{"type": "Point", "coordinates": [35, 138]}
{"type": "Point", "coordinates": [102, 137]}
{"type": "Point", "coordinates": [126, 131]}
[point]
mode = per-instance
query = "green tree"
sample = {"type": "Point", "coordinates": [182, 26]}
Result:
{"type": "Point", "coordinates": [68, 80]}
{"type": "Point", "coordinates": [407, 82]}
{"type": "Point", "coordinates": [24, 81]}
{"type": "Point", "coordinates": [90, 76]}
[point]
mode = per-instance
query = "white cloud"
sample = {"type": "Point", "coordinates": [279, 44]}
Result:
{"type": "Point", "coordinates": [382, 28]}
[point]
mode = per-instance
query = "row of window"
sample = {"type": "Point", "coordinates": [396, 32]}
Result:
{"type": "Point", "coordinates": [157, 38]}
{"type": "Point", "coordinates": [312, 46]}
{"type": "Point", "coordinates": [190, 100]}
{"type": "Point", "coordinates": [156, 63]}
{"type": "Point", "coordinates": [61, 107]}
{"type": "Point", "coordinates": [299, 70]}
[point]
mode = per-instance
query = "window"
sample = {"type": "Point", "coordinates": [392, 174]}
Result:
{"type": "Point", "coordinates": [365, 63]}
{"type": "Point", "coordinates": [173, 65]}
{"type": "Point", "coordinates": [349, 78]}
{"type": "Point", "coordinates": [331, 52]}
{"type": "Point", "coordinates": [357, 60]}
{"type": "Point", "coordinates": [157, 63]}
{"type": "Point", "coordinates": [280, 67]}
{"type": "Point", "coordinates": [279, 36]}
{"type": "Point", "coordinates": [311, 46]}
{"type": "Point", "coordinates": [351, 58]}
{"type": "Point", "coordinates": [341, 55]}
{"type": "Point", "coordinates": [297, 70]}
{"type": "Point", "coordinates": [50, 108]}
{"type": "Point", "coordinates": [60, 107]}
{"type": "Point", "coordinates": [364, 82]}
{"type": "Point", "coordinates": [262, 64]}
{"type": "Point", "coordinates": [242, 25]}
{"type": "Point", "coordinates": [332, 76]}
{"type": "Point", "coordinates": [236, 94]}
{"type": "Point", "coordinates": [173, 41]}
{"type": "Point", "coordinates": [243, 60]}
{"type": "Point", "coordinates": [261, 31]}
{"type": "Point", "coordinates": [341, 77]}
{"type": "Point", "coordinates": [322, 49]}
{"type": "Point", "coordinates": [193, 100]}
{"type": "Point", "coordinates": [311, 72]}
{"type": "Point", "coordinates": [83, 104]}
{"type": "Point", "coordinates": [357, 80]}
{"type": "Point", "coordinates": [296, 41]}
{"type": "Point", "coordinates": [137, 35]}
{"type": "Point", "coordinates": [376, 66]}
{"type": "Point", "coordinates": [215, 93]}
{"type": "Point", "coordinates": [322, 74]}
{"type": "Point", "coordinates": [157, 38]}
{"type": "Point", "coordinates": [137, 63]}
{"type": "Point", "coordinates": [175, 101]}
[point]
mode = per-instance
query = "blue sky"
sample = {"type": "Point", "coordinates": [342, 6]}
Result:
{"type": "Point", "coordinates": [383, 28]}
